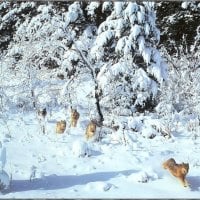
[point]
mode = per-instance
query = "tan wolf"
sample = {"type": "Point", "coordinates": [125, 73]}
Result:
{"type": "Point", "coordinates": [60, 126]}
{"type": "Point", "coordinates": [90, 130]}
{"type": "Point", "coordinates": [178, 170]}
{"type": "Point", "coordinates": [74, 117]}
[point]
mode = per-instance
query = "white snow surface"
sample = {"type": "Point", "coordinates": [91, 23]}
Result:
{"type": "Point", "coordinates": [68, 166]}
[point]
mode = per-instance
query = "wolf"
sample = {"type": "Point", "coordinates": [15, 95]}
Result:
{"type": "Point", "coordinates": [90, 130]}
{"type": "Point", "coordinates": [178, 170]}
{"type": "Point", "coordinates": [60, 126]}
{"type": "Point", "coordinates": [74, 117]}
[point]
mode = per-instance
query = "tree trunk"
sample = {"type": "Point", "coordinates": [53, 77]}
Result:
{"type": "Point", "coordinates": [97, 95]}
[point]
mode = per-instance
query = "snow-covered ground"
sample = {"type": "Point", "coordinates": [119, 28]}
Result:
{"type": "Point", "coordinates": [49, 166]}
{"type": "Point", "coordinates": [57, 60]}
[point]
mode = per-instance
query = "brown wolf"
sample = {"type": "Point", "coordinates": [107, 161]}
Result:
{"type": "Point", "coordinates": [90, 130]}
{"type": "Point", "coordinates": [60, 126]}
{"type": "Point", "coordinates": [177, 170]}
{"type": "Point", "coordinates": [74, 117]}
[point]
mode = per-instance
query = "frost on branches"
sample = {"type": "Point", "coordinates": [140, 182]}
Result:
{"type": "Point", "coordinates": [132, 67]}
{"type": "Point", "coordinates": [36, 58]}
{"type": "Point", "coordinates": [110, 48]}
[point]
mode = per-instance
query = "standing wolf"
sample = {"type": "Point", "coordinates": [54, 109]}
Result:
{"type": "Point", "coordinates": [74, 117]}
{"type": "Point", "coordinates": [90, 130]}
{"type": "Point", "coordinates": [60, 126]}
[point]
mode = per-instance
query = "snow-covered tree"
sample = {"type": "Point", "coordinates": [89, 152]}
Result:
{"type": "Point", "coordinates": [42, 62]}
{"type": "Point", "coordinates": [111, 44]}
{"type": "Point", "coordinates": [176, 20]}
{"type": "Point", "coordinates": [37, 49]}
{"type": "Point", "coordinates": [11, 15]}
{"type": "Point", "coordinates": [128, 63]}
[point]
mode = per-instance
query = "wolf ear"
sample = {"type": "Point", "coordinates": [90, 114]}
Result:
{"type": "Point", "coordinates": [184, 171]}
{"type": "Point", "coordinates": [186, 164]}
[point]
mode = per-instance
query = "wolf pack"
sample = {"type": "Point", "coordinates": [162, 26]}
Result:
{"type": "Point", "coordinates": [74, 117]}
{"type": "Point", "coordinates": [177, 170]}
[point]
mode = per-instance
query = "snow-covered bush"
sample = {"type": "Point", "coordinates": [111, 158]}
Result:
{"type": "Point", "coordinates": [181, 92]}
{"type": "Point", "coordinates": [99, 186]}
{"type": "Point", "coordinates": [143, 176]}
{"type": "Point", "coordinates": [179, 96]}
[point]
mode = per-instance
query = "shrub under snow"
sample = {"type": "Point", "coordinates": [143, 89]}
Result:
{"type": "Point", "coordinates": [143, 176]}
{"type": "Point", "coordinates": [81, 149]}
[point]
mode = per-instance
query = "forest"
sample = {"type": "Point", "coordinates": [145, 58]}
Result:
{"type": "Point", "coordinates": [97, 96]}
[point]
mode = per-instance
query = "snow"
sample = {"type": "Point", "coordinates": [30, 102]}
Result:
{"type": "Point", "coordinates": [2, 157]}
{"type": "Point", "coordinates": [135, 31]}
{"type": "Point", "coordinates": [131, 8]}
{"type": "Point", "coordinates": [67, 164]}
{"type": "Point", "coordinates": [104, 38]}
{"type": "Point", "coordinates": [101, 77]}
{"type": "Point", "coordinates": [4, 180]}
{"type": "Point", "coordinates": [141, 43]}
{"type": "Point", "coordinates": [140, 17]}
{"type": "Point", "coordinates": [125, 158]}
{"type": "Point", "coordinates": [103, 27]}
{"type": "Point", "coordinates": [142, 81]}
{"type": "Point", "coordinates": [156, 71]}
{"type": "Point", "coordinates": [120, 44]}
{"type": "Point", "coordinates": [120, 27]}
{"type": "Point", "coordinates": [139, 177]}
{"type": "Point", "coordinates": [73, 13]}
{"type": "Point", "coordinates": [146, 53]}
{"type": "Point", "coordinates": [91, 8]}
{"type": "Point", "coordinates": [106, 5]}
{"type": "Point", "coordinates": [147, 29]}
{"type": "Point", "coordinates": [118, 8]}
{"type": "Point", "coordinates": [132, 18]}
{"type": "Point", "coordinates": [80, 149]}
{"type": "Point", "coordinates": [184, 5]}
{"type": "Point", "coordinates": [127, 48]}
{"type": "Point", "coordinates": [118, 68]}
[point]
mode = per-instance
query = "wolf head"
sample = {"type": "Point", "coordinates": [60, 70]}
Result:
{"type": "Point", "coordinates": [185, 168]}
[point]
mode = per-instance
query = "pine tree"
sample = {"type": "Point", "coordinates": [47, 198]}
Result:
{"type": "Point", "coordinates": [130, 66]}
{"type": "Point", "coordinates": [11, 15]}
{"type": "Point", "coordinates": [111, 44]}
{"type": "Point", "coordinates": [37, 48]}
